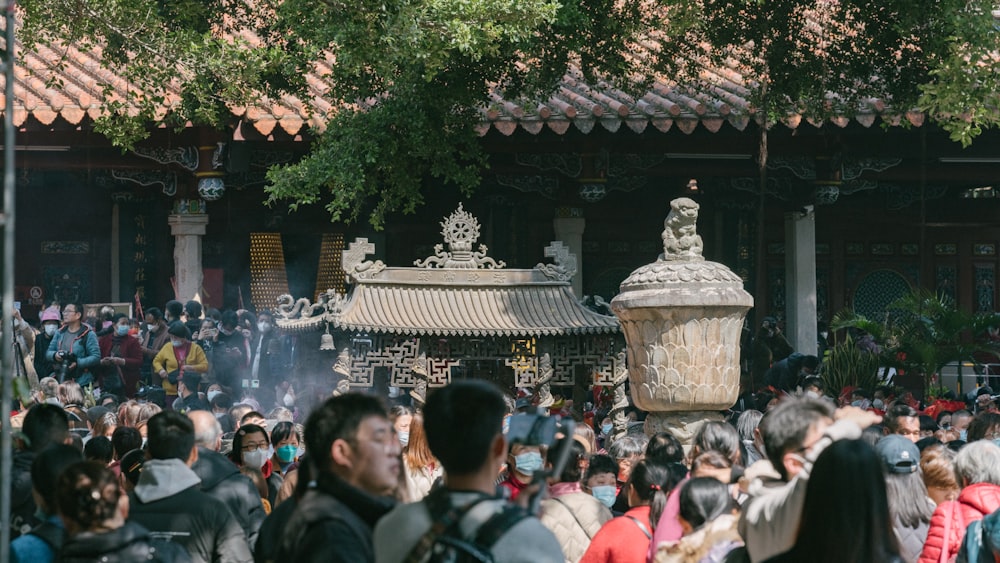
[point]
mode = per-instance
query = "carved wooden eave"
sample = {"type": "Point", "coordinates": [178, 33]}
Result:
{"type": "Point", "coordinates": [458, 292]}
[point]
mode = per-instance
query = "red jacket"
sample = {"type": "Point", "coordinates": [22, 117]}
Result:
{"type": "Point", "coordinates": [131, 350]}
{"type": "Point", "coordinates": [951, 518]}
{"type": "Point", "coordinates": [621, 540]}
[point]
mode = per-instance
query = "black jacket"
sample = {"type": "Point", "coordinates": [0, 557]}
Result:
{"type": "Point", "coordinates": [332, 523]}
{"type": "Point", "coordinates": [193, 402]}
{"type": "Point", "coordinates": [272, 531]}
{"type": "Point", "coordinates": [22, 503]}
{"type": "Point", "coordinates": [129, 543]}
{"type": "Point", "coordinates": [222, 480]}
{"type": "Point", "coordinates": [186, 516]}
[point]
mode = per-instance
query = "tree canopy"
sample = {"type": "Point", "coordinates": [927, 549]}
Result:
{"type": "Point", "coordinates": [407, 79]}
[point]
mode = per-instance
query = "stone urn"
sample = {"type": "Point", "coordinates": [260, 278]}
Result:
{"type": "Point", "coordinates": [682, 317]}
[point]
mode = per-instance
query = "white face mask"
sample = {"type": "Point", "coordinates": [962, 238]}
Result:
{"type": "Point", "coordinates": [288, 400]}
{"type": "Point", "coordinates": [264, 327]}
{"type": "Point", "coordinates": [212, 394]}
{"type": "Point", "coordinates": [257, 458]}
{"type": "Point", "coordinates": [50, 329]}
{"type": "Point", "coordinates": [152, 327]}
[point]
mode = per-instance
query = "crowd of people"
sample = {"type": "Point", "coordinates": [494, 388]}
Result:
{"type": "Point", "coordinates": [794, 473]}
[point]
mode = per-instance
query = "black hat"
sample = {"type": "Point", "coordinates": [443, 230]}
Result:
{"type": "Point", "coordinates": [178, 329]}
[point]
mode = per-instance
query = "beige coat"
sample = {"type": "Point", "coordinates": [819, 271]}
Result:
{"type": "Point", "coordinates": [419, 481]}
{"type": "Point", "coordinates": [574, 518]}
{"type": "Point", "coordinates": [694, 547]}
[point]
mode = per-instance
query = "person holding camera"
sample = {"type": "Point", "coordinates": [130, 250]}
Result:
{"type": "Point", "coordinates": [464, 425]}
{"type": "Point", "coordinates": [769, 346]}
{"type": "Point", "coordinates": [121, 358]}
{"type": "Point", "coordinates": [74, 351]}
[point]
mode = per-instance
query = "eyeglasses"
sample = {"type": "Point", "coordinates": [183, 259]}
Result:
{"type": "Point", "coordinates": [252, 447]}
{"type": "Point", "coordinates": [69, 311]}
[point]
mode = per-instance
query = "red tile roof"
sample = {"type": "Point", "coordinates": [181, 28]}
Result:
{"type": "Point", "coordinates": [47, 91]}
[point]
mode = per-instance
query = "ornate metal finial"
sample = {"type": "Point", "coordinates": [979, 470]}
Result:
{"type": "Point", "coordinates": [354, 263]}
{"type": "Point", "coordinates": [681, 240]}
{"type": "Point", "coordinates": [460, 231]}
{"type": "Point", "coordinates": [564, 267]}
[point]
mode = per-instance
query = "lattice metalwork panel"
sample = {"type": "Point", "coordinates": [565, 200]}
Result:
{"type": "Point", "coordinates": [877, 291]}
{"type": "Point", "coordinates": [330, 274]}
{"type": "Point", "coordinates": [946, 277]}
{"type": "Point", "coordinates": [439, 371]}
{"type": "Point", "coordinates": [268, 278]}
{"type": "Point", "coordinates": [986, 278]}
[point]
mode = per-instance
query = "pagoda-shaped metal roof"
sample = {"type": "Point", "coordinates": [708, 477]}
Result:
{"type": "Point", "coordinates": [455, 292]}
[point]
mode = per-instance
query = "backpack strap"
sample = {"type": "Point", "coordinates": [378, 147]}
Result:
{"type": "Point", "coordinates": [444, 516]}
{"type": "Point", "coordinates": [494, 528]}
{"type": "Point", "coordinates": [641, 526]}
{"type": "Point", "coordinates": [51, 534]}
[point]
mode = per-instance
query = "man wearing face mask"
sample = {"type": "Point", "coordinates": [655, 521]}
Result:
{"type": "Point", "coordinates": [522, 462]}
{"type": "Point", "coordinates": [154, 338]}
{"type": "Point", "coordinates": [265, 354]}
{"type": "Point", "coordinates": [121, 358]}
{"type": "Point", "coordinates": [50, 318]}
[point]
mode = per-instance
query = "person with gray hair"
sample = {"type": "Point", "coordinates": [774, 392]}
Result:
{"type": "Point", "coordinates": [48, 391]}
{"type": "Point", "coordinates": [753, 444]}
{"type": "Point", "coordinates": [977, 470]}
{"type": "Point", "coordinates": [627, 452]}
{"type": "Point", "coordinates": [221, 479]}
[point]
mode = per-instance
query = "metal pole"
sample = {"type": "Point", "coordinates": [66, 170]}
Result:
{"type": "Point", "coordinates": [7, 302]}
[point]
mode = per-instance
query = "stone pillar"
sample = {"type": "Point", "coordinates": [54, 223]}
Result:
{"type": "Point", "coordinates": [568, 226]}
{"type": "Point", "coordinates": [187, 231]}
{"type": "Point", "coordinates": [800, 280]}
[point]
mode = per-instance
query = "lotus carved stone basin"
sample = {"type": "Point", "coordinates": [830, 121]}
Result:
{"type": "Point", "coordinates": [682, 317]}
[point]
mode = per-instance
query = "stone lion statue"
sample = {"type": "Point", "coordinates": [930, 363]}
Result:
{"type": "Point", "coordinates": [681, 240]}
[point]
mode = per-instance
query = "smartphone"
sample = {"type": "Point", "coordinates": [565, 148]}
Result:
{"type": "Point", "coordinates": [17, 305]}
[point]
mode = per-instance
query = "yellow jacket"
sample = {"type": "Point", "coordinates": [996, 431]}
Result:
{"type": "Point", "coordinates": [165, 361]}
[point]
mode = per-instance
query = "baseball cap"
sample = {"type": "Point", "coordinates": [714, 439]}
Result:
{"type": "Point", "coordinates": [898, 454]}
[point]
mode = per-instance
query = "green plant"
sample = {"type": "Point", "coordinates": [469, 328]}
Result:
{"type": "Point", "coordinates": [849, 366]}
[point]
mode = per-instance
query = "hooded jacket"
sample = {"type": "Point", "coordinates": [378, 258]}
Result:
{"type": "Point", "coordinates": [84, 345]}
{"type": "Point", "coordinates": [168, 501]}
{"type": "Point", "coordinates": [129, 543]}
{"type": "Point", "coordinates": [951, 518]}
{"type": "Point", "coordinates": [222, 480]}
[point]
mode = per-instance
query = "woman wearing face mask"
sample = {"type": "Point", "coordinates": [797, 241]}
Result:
{"type": "Point", "coordinates": [252, 447]}
{"type": "Point", "coordinates": [420, 468]}
{"type": "Point", "coordinates": [400, 416]}
{"type": "Point", "coordinates": [121, 358]}
{"type": "Point", "coordinates": [522, 462]}
{"type": "Point", "coordinates": [177, 356]}
{"type": "Point", "coordinates": [51, 318]}
{"type": "Point", "coordinates": [627, 537]}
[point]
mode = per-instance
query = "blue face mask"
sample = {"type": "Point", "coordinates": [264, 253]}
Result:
{"type": "Point", "coordinates": [963, 435]}
{"type": "Point", "coordinates": [404, 438]}
{"type": "Point", "coordinates": [607, 428]}
{"type": "Point", "coordinates": [528, 462]}
{"type": "Point", "coordinates": [605, 493]}
{"type": "Point", "coordinates": [286, 454]}
{"type": "Point", "coordinates": [121, 330]}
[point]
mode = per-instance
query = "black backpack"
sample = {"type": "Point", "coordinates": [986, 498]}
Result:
{"type": "Point", "coordinates": [444, 542]}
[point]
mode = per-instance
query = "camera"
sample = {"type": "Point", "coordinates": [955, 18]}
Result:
{"type": "Point", "coordinates": [552, 432]}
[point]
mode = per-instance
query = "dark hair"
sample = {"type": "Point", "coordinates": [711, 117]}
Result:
{"type": "Point", "coordinates": [927, 424]}
{"type": "Point", "coordinates": [814, 381]}
{"type": "Point", "coordinates": [650, 481]}
{"type": "Point", "coordinates": [125, 439]}
{"type": "Point", "coordinates": [338, 419]}
{"type": "Point", "coordinates": [230, 319]}
{"type": "Point", "coordinates": [847, 474]}
{"type": "Point", "coordinates": [99, 448]}
{"type": "Point", "coordinates": [222, 401]}
{"type": "Point", "coordinates": [237, 454]}
{"type": "Point", "coordinates": [462, 420]}
{"type": "Point", "coordinates": [981, 425]}
{"type": "Point", "coordinates": [170, 436]}
{"type": "Point", "coordinates": [179, 329]}
{"type": "Point", "coordinates": [896, 412]}
{"type": "Point", "coordinates": [118, 317]}
{"type": "Point", "coordinates": [676, 473]}
{"type": "Point", "coordinates": [809, 362]}
{"type": "Point", "coordinates": [193, 309]}
{"type": "Point", "coordinates": [250, 414]}
{"type": "Point", "coordinates": [45, 470]}
{"type": "Point", "coordinates": [282, 431]}
{"type": "Point", "coordinates": [174, 309]}
{"type": "Point", "coordinates": [703, 499]}
{"type": "Point", "coordinates": [192, 381]}
{"type": "Point", "coordinates": [785, 427]}
{"type": "Point", "coordinates": [664, 448]}
{"type": "Point", "coordinates": [941, 415]}
{"type": "Point", "coordinates": [572, 473]}
{"type": "Point", "coordinates": [601, 464]}
{"type": "Point", "coordinates": [719, 436]}
{"type": "Point", "coordinates": [88, 494]}
{"type": "Point", "coordinates": [44, 425]}
{"type": "Point", "coordinates": [154, 312]}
